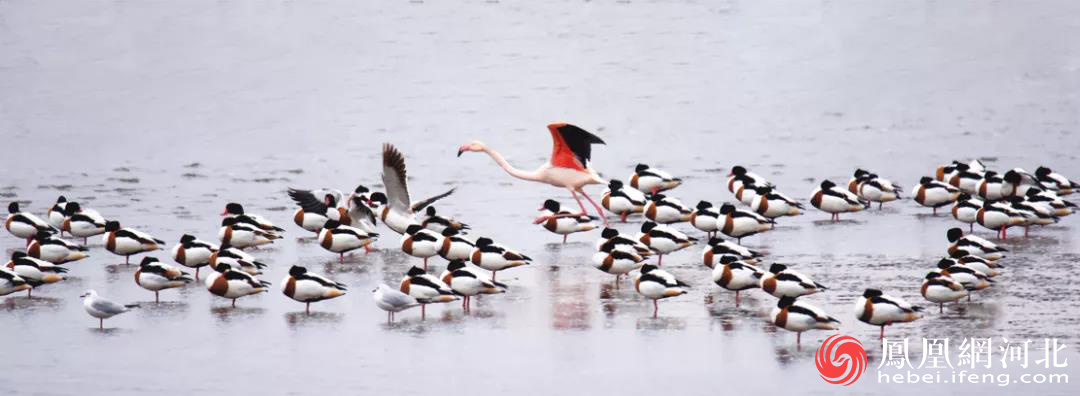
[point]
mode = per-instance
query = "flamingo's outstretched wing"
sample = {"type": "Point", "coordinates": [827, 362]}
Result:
{"type": "Point", "coordinates": [416, 207]}
{"type": "Point", "coordinates": [393, 177]}
{"type": "Point", "coordinates": [308, 201]}
{"type": "Point", "coordinates": [572, 146]}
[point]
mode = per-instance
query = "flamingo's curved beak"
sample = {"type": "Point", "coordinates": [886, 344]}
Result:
{"type": "Point", "coordinates": [459, 152]}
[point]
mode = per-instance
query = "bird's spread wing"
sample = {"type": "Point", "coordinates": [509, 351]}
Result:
{"type": "Point", "coordinates": [361, 212]}
{"type": "Point", "coordinates": [307, 201]}
{"type": "Point", "coordinates": [416, 207]}
{"type": "Point", "coordinates": [397, 190]}
{"type": "Point", "coordinates": [572, 146]}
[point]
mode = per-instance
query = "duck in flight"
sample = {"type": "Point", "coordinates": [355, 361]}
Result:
{"type": "Point", "coordinates": [568, 167]}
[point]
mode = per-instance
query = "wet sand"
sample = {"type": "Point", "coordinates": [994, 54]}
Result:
{"type": "Point", "coordinates": [159, 114]}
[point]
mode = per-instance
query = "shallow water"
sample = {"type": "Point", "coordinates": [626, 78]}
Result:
{"type": "Point", "coordinates": [157, 114]}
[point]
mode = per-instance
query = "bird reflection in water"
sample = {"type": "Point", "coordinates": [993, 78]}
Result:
{"type": "Point", "coordinates": [301, 319]}
{"type": "Point", "coordinates": [569, 305]}
{"type": "Point", "coordinates": [227, 314]}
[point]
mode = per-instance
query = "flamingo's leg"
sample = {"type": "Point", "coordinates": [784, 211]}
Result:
{"type": "Point", "coordinates": [599, 211]}
{"type": "Point", "coordinates": [578, 199]}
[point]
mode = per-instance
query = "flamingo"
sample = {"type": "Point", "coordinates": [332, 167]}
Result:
{"type": "Point", "coordinates": [568, 167]}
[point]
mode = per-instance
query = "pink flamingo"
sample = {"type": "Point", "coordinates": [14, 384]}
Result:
{"type": "Point", "coordinates": [568, 167]}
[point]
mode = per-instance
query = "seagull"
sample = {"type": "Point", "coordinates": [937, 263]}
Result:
{"type": "Point", "coordinates": [879, 309]}
{"type": "Point", "coordinates": [392, 301]}
{"type": "Point", "coordinates": [568, 167]}
{"type": "Point", "coordinates": [400, 212]}
{"type": "Point", "coordinates": [101, 308]}
{"type": "Point", "coordinates": [307, 287]}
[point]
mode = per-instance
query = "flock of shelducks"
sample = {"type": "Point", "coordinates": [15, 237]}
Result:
{"type": "Point", "coordinates": [344, 224]}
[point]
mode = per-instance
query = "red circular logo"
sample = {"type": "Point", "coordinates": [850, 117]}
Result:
{"type": "Point", "coordinates": [840, 360]}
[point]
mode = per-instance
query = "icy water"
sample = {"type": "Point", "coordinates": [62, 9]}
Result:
{"type": "Point", "coordinates": [159, 113]}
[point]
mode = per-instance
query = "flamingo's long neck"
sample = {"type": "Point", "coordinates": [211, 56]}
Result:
{"type": "Point", "coordinates": [515, 172]}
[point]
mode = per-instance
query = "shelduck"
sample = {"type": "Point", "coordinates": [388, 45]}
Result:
{"type": "Point", "coordinates": [999, 217]}
{"type": "Point", "coordinates": [56, 214]}
{"type": "Point", "coordinates": [426, 288]}
{"type": "Point", "coordinates": [934, 194]}
{"type": "Point", "coordinates": [314, 212]}
{"type": "Point", "coordinates": [156, 276]}
{"type": "Point", "coordinates": [433, 221]}
{"type": "Point", "coordinates": [623, 200]}
{"type": "Point", "coordinates": [307, 287]}
{"type": "Point", "coordinates": [663, 239]}
{"type": "Point", "coordinates": [792, 315]}
{"type": "Point", "coordinates": [468, 282]}
{"type": "Point", "coordinates": [618, 260]}
{"type": "Point", "coordinates": [236, 259]}
{"type": "Point", "coordinates": [717, 248]}
{"type": "Point", "coordinates": [455, 247]}
{"type": "Point", "coordinates": [193, 253]}
{"type": "Point", "coordinates": [646, 178]}
{"type": "Point", "coordinates": [666, 210]}
{"type": "Point", "coordinates": [732, 274]}
{"type": "Point", "coordinates": [830, 199]}
{"type": "Point", "coordinates": [656, 284]}
{"type": "Point", "coordinates": [704, 218]}
{"type": "Point", "coordinates": [82, 223]}
{"type": "Point", "coordinates": [738, 223]}
{"type": "Point", "coordinates": [228, 283]}
{"type": "Point", "coordinates": [55, 250]}
{"type": "Point", "coordinates": [243, 235]}
{"type": "Point", "coordinates": [24, 224]}
{"type": "Point", "coordinates": [966, 210]}
{"type": "Point", "coordinates": [35, 272]}
{"type": "Point", "coordinates": [879, 309]}
{"type": "Point", "coordinates": [563, 222]}
{"type": "Point", "coordinates": [610, 239]}
{"type": "Point", "coordinates": [1055, 182]}
{"type": "Point", "coordinates": [772, 204]}
{"type": "Point", "coordinates": [971, 279]}
{"type": "Point", "coordinates": [783, 282]}
{"type": "Point", "coordinates": [236, 210]}
{"type": "Point", "coordinates": [128, 241]}
{"type": "Point", "coordinates": [494, 257]}
{"type": "Point", "coordinates": [10, 282]}
{"type": "Point", "coordinates": [940, 288]}
{"type": "Point", "coordinates": [973, 245]}
{"type": "Point", "coordinates": [341, 239]}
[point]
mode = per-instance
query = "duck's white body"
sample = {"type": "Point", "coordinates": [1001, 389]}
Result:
{"type": "Point", "coordinates": [619, 261]}
{"type": "Point", "coordinates": [343, 238]}
{"type": "Point", "coordinates": [714, 251]}
{"type": "Point", "coordinates": [56, 250]}
{"type": "Point", "coordinates": [233, 284]}
{"type": "Point", "coordinates": [788, 283]}
{"type": "Point", "coordinates": [666, 210]}
{"type": "Point", "coordinates": [11, 282]}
